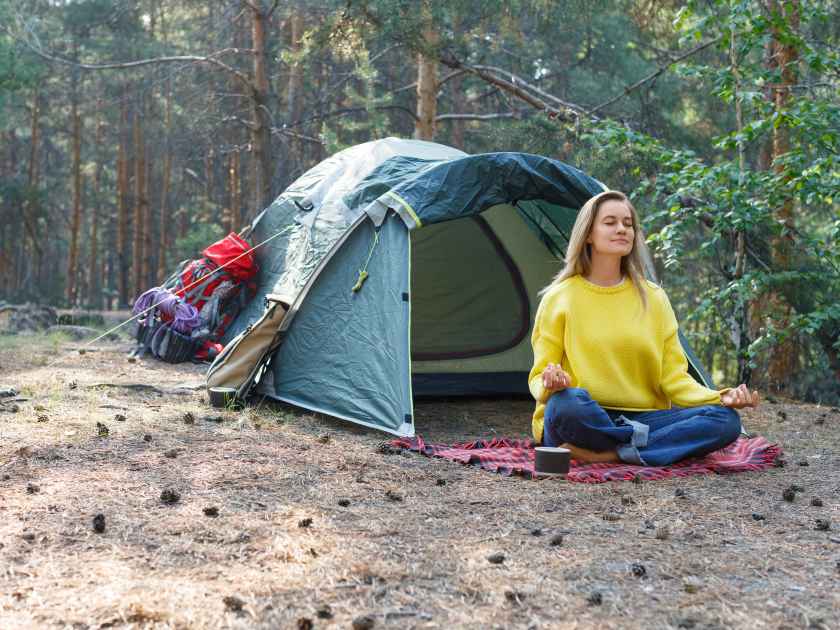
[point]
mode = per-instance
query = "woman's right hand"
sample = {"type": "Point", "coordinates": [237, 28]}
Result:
{"type": "Point", "coordinates": [555, 378]}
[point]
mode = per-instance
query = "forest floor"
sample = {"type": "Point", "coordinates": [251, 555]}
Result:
{"type": "Point", "coordinates": [283, 519]}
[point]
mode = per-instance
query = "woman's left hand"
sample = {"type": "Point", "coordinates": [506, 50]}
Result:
{"type": "Point", "coordinates": [740, 397]}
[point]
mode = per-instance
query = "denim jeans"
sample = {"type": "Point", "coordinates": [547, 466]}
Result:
{"type": "Point", "coordinates": [649, 438]}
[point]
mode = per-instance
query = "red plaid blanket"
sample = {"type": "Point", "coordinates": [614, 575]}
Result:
{"type": "Point", "coordinates": [510, 456]}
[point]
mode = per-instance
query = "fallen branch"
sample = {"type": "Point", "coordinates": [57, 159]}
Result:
{"type": "Point", "coordinates": [180, 390]}
{"type": "Point", "coordinates": [143, 387]}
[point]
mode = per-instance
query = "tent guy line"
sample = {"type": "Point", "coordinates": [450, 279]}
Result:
{"type": "Point", "coordinates": [187, 288]}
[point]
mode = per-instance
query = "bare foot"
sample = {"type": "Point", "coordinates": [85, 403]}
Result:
{"type": "Point", "coordinates": [591, 457]}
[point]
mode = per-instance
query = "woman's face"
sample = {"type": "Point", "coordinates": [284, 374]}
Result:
{"type": "Point", "coordinates": [612, 231]}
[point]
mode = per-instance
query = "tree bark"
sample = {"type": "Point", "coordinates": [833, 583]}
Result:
{"type": "Point", "coordinates": [294, 95]}
{"type": "Point", "coordinates": [740, 316]}
{"type": "Point", "coordinates": [139, 203]}
{"type": "Point", "coordinates": [458, 102]}
{"type": "Point", "coordinates": [149, 257]}
{"type": "Point", "coordinates": [260, 118]}
{"type": "Point", "coordinates": [235, 192]}
{"type": "Point", "coordinates": [427, 86]}
{"type": "Point", "coordinates": [31, 204]}
{"type": "Point", "coordinates": [123, 253]}
{"type": "Point", "coordinates": [209, 177]}
{"type": "Point", "coordinates": [165, 230]}
{"type": "Point", "coordinates": [94, 282]}
{"type": "Point", "coordinates": [165, 212]}
{"type": "Point", "coordinates": [786, 58]}
{"type": "Point", "coordinates": [75, 223]}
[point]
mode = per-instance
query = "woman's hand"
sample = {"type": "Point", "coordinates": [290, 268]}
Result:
{"type": "Point", "coordinates": [740, 397]}
{"type": "Point", "coordinates": [555, 378]}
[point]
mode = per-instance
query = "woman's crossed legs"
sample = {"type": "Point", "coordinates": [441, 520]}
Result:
{"type": "Point", "coordinates": [651, 438]}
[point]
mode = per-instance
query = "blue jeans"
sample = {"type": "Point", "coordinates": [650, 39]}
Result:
{"type": "Point", "coordinates": [649, 438]}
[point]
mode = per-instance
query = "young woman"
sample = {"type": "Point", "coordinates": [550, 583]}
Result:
{"type": "Point", "coordinates": [608, 364]}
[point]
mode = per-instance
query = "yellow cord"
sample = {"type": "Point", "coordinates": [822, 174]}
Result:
{"type": "Point", "coordinates": [363, 274]}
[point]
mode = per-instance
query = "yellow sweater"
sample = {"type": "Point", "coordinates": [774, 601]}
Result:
{"type": "Point", "coordinates": [626, 358]}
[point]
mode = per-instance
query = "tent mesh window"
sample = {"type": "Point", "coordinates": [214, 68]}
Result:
{"type": "Point", "coordinates": [551, 223]}
{"type": "Point", "coordinates": [468, 297]}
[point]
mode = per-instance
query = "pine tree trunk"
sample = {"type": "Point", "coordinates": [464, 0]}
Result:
{"type": "Point", "coordinates": [165, 212]}
{"type": "Point", "coordinates": [183, 223]}
{"type": "Point", "coordinates": [459, 106]}
{"type": "Point", "coordinates": [165, 236]}
{"type": "Point", "coordinates": [75, 223]}
{"type": "Point", "coordinates": [7, 265]}
{"type": "Point", "coordinates": [209, 177]}
{"type": "Point", "coordinates": [294, 97]}
{"type": "Point", "coordinates": [31, 255]}
{"type": "Point", "coordinates": [139, 204]}
{"type": "Point", "coordinates": [260, 121]}
{"type": "Point", "coordinates": [94, 270]}
{"type": "Point", "coordinates": [785, 355]}
{"type": "Point", "coordinates": [8, 169]}
{"type": "Point", "coordinates": [122, 207]}
{"type": "Point", "coordinates": [149, 268]}
{"type": "Point", "coordinates": [235, 193]}
{"type": "Point", "coordinates": [427, 87]}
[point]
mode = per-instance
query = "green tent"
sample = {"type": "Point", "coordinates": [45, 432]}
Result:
{"type": "Point", "coordinates": [402, 268]}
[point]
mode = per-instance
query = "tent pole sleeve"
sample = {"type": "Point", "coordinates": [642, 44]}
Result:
{"type": "Point", "coordinates": [406, 206]}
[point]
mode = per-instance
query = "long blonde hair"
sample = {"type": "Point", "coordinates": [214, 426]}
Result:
{"type": "Point", "coordinates": [579, 252]}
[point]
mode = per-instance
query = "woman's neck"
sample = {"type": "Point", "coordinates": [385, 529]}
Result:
{"type": "Point", "coordinates": [605, 271]}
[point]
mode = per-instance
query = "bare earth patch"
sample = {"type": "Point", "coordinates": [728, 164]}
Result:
{"type": "Point", "coordinates": [126, 506]}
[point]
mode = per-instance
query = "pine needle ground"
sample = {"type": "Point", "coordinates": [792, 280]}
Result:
{"type": "Point", "coordinates": [283, 516]}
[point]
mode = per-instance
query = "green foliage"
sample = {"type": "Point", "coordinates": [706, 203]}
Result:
{"type": "Point", "coordinates": [673, 141]}
{"type": "Point", "coordinates": [694, 208]}
{"type": "Point", "coordinates": [17, 69]}
{"type": "Point", "coordinates": [199, 236]}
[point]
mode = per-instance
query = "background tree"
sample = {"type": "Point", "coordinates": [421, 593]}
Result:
{"type": "Point", "coordinates": [136, 132]}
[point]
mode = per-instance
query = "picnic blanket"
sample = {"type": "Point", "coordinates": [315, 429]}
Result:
{"type": "Point", "coordinates": [512, 456]}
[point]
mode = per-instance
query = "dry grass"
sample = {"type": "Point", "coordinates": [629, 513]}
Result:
{"type": "Point", "coordinates": [407, 551]}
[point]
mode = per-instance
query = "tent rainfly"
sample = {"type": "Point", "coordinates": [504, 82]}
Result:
{"type": "Point", "coordinates": [402, 268]}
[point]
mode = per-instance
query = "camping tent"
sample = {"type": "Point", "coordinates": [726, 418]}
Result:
{"type": "Point", "coordinates": [400, 268]}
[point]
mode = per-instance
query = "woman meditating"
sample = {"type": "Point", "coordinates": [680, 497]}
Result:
{"type": "Point", "coordinates": [608, 364]}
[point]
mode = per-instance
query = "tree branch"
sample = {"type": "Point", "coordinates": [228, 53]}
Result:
{"type": "Point", "coordinates": [241, 121]}
{"type": "Point", "coordinates": [496, 116]}
{"type": "Point", "coordinates": [653, 75]}
{"type": "Point", "coordinates": [294, 134]}
{"type": "Point", "coordinates": [208, 59]}
{"type": "Point", "coordinates": [451, 75]}
{"type": "Point", "coordinates": [542, 93]}
{"type": "Point", "coordinates": [350, 110]}
{"type": "Point", "coordinates": [566, 112]}
{"type": "Point", "coordinates": [272, 9]}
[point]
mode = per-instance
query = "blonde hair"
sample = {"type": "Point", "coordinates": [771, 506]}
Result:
{"type": "Point", "coordinates": [579, 252]}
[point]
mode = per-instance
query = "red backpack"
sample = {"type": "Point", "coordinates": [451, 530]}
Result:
{"type": "Point", "coordinates": [218, 286]}
{"type": "Point", "coordinates": [219, 296]}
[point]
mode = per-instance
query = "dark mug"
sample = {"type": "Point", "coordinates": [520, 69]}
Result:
{"type": "Point", "coordinates": [551, 460]}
